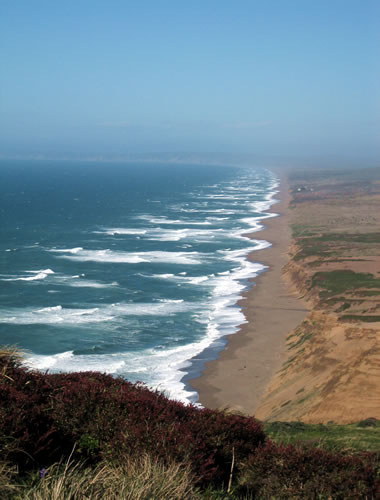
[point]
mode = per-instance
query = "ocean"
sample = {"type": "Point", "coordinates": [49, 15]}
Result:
{"type": "Point", "coordinates": [132, 269]}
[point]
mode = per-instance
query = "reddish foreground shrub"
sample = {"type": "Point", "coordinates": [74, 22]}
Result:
{"type": "Point", "coordinates": [43, 416]}
{"type": "Point", "coordinates": [275, 471]}
{"type": "Point", "coordinates": [26, 427]}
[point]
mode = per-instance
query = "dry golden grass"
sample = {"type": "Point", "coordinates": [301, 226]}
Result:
{"type": "Point", "coordinates": [8, 487]}
{"type": "Point", "coordinates": [140, 479]}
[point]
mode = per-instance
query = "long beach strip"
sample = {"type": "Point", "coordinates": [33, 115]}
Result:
{"type": "Point", "coordinates": [238, 378]}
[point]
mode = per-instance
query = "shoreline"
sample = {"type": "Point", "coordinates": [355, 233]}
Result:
{"type": "Point", "coordinates": [238, 378]}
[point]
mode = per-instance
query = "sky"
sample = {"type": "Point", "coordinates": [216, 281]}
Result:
{"type": "Point", "coordinates": [273, 78]}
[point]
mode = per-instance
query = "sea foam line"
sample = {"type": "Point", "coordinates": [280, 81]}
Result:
{"type": "Point", "coordinates": [117, 312]}
{"type": "Point", "coordinates": [36, 275]}
{"type": "Point", "coordinates": [110, 256]}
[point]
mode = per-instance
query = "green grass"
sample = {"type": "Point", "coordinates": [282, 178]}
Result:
{"type": "Point", "coordinates": [349, 237]}
{"type": "Point", "coordinates": [299, 230]}
{"type": "Point", "coordinates": [310, 248]}
{"type": "Point", "coordinates": [357, 317]}
{"type": "Point", "coordinates": [301, 334]}
{"type": "Point", "coordinates": [368, 293]}
{"type": "Point", "coordinates": [291, 360]}
{"type": "Point", "coordinates": [362, 436]}
{"type": "Point", "coordinates": [351, 302]}
{"type": "Point", "coordinates": [339, 304]}
{"type": "Point", "coordinates": [327, 244]}
{"type": "Point", "coordinates": [301, 339]}
{"type": "Point", "coordinates": [343, 307]}
{"type": "Point", "coordinates": [340, 281]}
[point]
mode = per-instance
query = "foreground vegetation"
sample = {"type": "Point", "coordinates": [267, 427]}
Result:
{"type": "Point", "coordinates": [88, 435]}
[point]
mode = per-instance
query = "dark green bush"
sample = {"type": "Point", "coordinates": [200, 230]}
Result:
{"type": "Point", "coordinates": [368, 422]}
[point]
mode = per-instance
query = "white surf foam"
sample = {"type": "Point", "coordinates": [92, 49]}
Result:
{"type": "Point", "coordinates": [217, 219]}
{"type": "Point", "coordinates": [161, 368]}
{"type": "Point", "coordinates": [165, 220]}
{"type": "Point", "coordinates": [54, 315]}
{"type": "Point", "coordinates": [160, 234]}
{"type": "Point", "coordinates": [122, 231]}
{"type": "Point", "coordinates": [68, 362]}
{"type": "Point", "coordinates": [82, 255]}
{"type": "Point", "coordinates": [223, 211]}
{"type": "Point", "coordinates": [223, 197]}
{"type": "Point", "coordinates": [67, 250]}
{"type": "Point", "coordinates": [36, 275]}
{"type": "Point", "coordinates": [48, 309]}
{"type": "Point", "coordinates": [61, 279]}
{"type": "Point", "coordinates": [186, 234]}
{"type": "Point", "coordinates": [194, 280]}
{"type": "Point", "coordinates": [163, 307]}
{"type": "Point", "coordinates": [83, 283]}
{"type": "Point", "coordinates": [103, 313]}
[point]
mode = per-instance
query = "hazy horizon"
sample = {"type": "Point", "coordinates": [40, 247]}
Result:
{"type": "Point", "coordinates": [292, 81]}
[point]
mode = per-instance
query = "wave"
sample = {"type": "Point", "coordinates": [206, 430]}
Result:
{"type": "Point", "coordinates": [196, 235]}
{"type": "Point", "coordinates": [61, 279]}
{"type": "Point", "coordinates": [80, 281]}
{"type": "Point", "coordinates": [224, 211]}
{"type": "Point", "coordinates": [83, 283]}
{"type": "Point", "coordinates": [165, 220]}
{"type": "Point", "coordinates": [110, 256]}
{"type": "Point", "coordinates": [185, 234]}
{"type": "Point", "coordinates": [223, 197]}
{"type": "Point", "coordinates": [69, 362]}
{"type": "Point", "coordinates": [48, 309]}
{"type": "Point", "coordinates": [68, 250]}
{"type": "Point", "coordinates": [217, 219]}
{"type": "Point", "coordinates": [59, 315]}
{"type": "Point", "coordinates": [164, 307]}
{"type": "Point", "coordinates": [36, 275]}
{"type": "Point", "coordinates": [122, 231]}
{"type": "Point", "coordinates": [55, 315]}
{"type": "Point", "coordinates": [193, 280]}
{"type": "Point", "coordinates": [161, 368]}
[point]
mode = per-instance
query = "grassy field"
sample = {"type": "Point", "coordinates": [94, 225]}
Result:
{"type": "Point", "coordinates": [341, 281]}
{"type": "Point", "coordinates": [335, 229]}
{"type": "Point", "coordinates": [361, 436]}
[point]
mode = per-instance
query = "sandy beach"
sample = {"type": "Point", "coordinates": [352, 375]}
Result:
{"type": "Point", "coordinates": [239, 377]}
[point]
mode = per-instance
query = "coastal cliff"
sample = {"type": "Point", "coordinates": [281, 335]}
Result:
{"type": "Point", "coordinates": [332, 370]}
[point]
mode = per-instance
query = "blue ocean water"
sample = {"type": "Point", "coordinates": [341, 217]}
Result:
{"type": "Point", "coordinates": [131, 269]}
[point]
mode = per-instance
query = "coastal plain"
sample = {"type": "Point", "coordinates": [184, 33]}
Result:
{"type": "Point", "coordinates": [310, 350]}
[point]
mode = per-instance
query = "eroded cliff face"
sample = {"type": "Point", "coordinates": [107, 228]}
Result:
{"type": "Point", "coordinates": [298, 279]}
{"type": "Point", "coordinates": [332, 372]}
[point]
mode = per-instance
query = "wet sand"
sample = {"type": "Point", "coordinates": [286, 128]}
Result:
{"type": "Point", "coordinates": [239, 377]}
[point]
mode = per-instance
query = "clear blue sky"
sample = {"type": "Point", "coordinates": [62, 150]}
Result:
{"type": "Point", "coordinates": [269, 77]}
